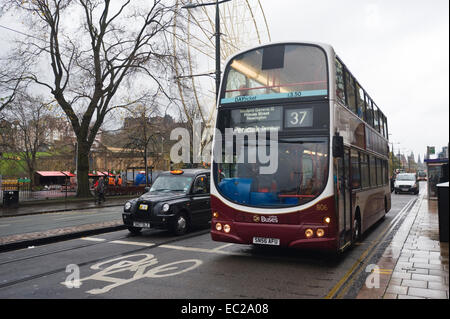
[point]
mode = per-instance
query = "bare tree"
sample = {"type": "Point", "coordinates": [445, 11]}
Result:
{"type": "Point", "coordinates": [117, 41]}
{"type": "Point", "coordinates": [26, 130]}
{"type": "Point", "coordinates": [141, 134]}
{"type": "Point", "coordinates": [10, 86]}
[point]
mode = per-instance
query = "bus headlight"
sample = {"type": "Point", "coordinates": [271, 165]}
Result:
{"type": "Point", "coordinates": [219, 226]}
{"type": "Point", "coordinates": [226, 228]}
{"type": "Point", "coordinates": [327, 220]}
{"type": "Point", "coordinates": [320, 232]}
{"type": "Point", "coordinates": [309, 233]}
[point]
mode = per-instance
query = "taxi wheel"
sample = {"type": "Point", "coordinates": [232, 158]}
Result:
{"type": "Point", "coordinates": [134, 230]}
{"type": "Point", "coordinates": [179, 224]}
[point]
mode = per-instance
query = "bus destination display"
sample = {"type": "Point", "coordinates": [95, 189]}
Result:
{"type": "Point", "coordinates": [257, 119]}
{"type": "Point", "coordinates": [298, 118]}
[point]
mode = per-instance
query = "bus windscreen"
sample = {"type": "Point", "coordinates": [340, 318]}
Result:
{"type": "Point", "coordinates": [301, 174]}
{"type": "Point", "coordinates": [276, 72]}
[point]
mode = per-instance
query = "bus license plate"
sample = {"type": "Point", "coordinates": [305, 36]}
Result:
{"type": "Point", "coordinates": [142, 225]}
{"type": "Point", "coordinates": [266, 241]}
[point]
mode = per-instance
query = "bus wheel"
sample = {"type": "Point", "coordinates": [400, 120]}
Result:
{"type": "Point", "coordinates": [357, 229]}
{"type": "Point", "coordinates": [179, 224]}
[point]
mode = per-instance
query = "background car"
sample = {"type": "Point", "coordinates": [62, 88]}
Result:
{"type": "Point", "coordinates": [406, 183]}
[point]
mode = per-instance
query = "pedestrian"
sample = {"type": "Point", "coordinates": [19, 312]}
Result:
{"type": "Point", "coordinates": [100, 190]}
{"type": "Point", "coordinates": [392, 182]}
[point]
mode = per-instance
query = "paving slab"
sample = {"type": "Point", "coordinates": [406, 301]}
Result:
{"type": "Point", "coordinates": [420, 261]}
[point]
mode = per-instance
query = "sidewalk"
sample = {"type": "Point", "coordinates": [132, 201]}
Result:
{"type": "Point", "coordinates": [415, 264]}
{"type": "Point", "coordinates": [20, 241]}
{"type": "Point", "coordinates": [88, 225]}
{"type": "Point", "coordinates": [51, 206]}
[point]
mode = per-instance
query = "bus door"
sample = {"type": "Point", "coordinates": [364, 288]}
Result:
{"type": "Point", "coordinates": [344, 204]}
{"type": "Point", "coordinates": [348, 197]}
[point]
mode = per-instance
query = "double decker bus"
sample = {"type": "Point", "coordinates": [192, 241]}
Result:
{"type": "Point", "coordinates": [330, 151]}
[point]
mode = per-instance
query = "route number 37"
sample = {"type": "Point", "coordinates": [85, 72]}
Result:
{"type": "Point", "coordinates": [299, 118]}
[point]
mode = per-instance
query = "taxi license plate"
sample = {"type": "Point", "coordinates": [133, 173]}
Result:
{"type": "Point", "coordinates": [266, 241]}
{"type": "Point", "coordinates": [143, 207]}
{"type": "Point", "coordinates": [142, 225]}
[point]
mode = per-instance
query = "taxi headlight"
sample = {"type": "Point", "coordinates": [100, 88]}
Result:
{"type": "Point", "coordinates": [165, 208]}
{"type": "Point", "coordinates": [127, 206]}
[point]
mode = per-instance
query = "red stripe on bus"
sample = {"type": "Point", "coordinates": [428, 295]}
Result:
{"type": "Point", "coordinates": [275, 86]}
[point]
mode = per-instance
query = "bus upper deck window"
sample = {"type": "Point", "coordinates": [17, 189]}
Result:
{"type": "Point", "coordinates": [340, 88]}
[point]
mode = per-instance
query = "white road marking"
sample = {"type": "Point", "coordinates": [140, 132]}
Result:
{"type": "Point", "coordinates": [216, 250]}
{"type": "Point", "coordinates": [136, 243]}
{"type": "Point", "coordinates": [4, 225]}
{"type": "Point", "coordinates": [201, 250]}
{"type": "Point", "coordinates": [142, 268]}
{"type": "Point", "coordinates": [223, 246]}
{"type": "Point", "coordinates": [92, 239]}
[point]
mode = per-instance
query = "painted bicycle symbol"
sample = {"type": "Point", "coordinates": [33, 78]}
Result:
{"type": "Point", "coordinates": [137, 265]}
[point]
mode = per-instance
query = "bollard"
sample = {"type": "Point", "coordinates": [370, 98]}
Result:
{"type": "Point", "coordinates": [443, 211]}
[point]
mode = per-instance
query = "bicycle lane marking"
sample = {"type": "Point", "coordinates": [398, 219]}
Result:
{"type": "Point", "coordinates": [141, 268]}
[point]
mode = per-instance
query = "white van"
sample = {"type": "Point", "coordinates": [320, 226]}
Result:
{"type": "Point", "coordinates": [406, 183]}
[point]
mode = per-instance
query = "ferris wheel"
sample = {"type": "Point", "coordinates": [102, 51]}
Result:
{"type": "Point", "coordinates": [242, 24]}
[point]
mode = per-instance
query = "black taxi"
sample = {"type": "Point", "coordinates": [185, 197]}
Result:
{"type": "Point", "coordinates": [177, 200]}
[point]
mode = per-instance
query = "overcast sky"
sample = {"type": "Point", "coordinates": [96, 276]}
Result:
{"type": "Point", "coordinates": [397, 49]}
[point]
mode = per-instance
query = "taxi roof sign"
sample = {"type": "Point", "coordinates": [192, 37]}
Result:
{"type": "Point", "coordinates": [177, 172]}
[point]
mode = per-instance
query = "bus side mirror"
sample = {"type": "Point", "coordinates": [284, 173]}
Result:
{"type": "Point", "coordinates": [338, 146]}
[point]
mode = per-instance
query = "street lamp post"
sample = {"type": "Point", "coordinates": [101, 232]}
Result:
{"type": "Point", "coordinates": [217, 35]}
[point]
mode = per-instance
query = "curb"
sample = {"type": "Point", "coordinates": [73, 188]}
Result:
{"type": "Point", "coordinates": [72, 199]}
{"type": "Point", "coordinates": [57, 238]}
